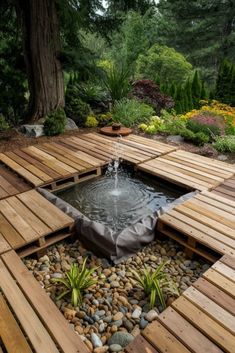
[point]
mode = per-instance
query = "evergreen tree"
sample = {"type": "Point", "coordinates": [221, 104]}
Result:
{"type": "Point", "coordinates": [204, 93]}
{"type": "Point", "coordinates": [188, 90]}
{"type": "Point", "coordinates": [196, 89]}
{"type": "Point", "coordinates": [232, 87]}
{"type": "Point", "coordinates": [223, 83]}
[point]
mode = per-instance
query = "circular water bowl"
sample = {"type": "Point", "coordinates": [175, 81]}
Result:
{"type": "Point", "coordinates": [109, 131]}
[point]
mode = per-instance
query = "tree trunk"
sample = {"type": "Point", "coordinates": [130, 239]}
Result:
{"type": "Point", "coordinates": [41, 51]}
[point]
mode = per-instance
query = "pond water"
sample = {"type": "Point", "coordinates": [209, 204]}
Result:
{"type": "Point", "coordinates": [119, 202]}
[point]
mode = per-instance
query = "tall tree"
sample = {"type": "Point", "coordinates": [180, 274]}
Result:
{"type": "Point", "coordinates": [202, 29]}
{"type": "Point", "coordinates": [41, 51]}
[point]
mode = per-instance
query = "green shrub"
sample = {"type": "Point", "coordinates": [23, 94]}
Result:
{"type": "Point", "coordinates": [76, 282]}
{"type": "Point", "coordinates": [153, 282]}
{"type": "Point", "coordinates": [3, 124]}
{"type": "Point", "coordinates": [104, 119]}
{"type": "Point", "coordinates": [91, 121]}
{"type": "Point", "coordinates": [225, 144]}
{"type": "Point", "coordinates": [55, 123]}
{"type": "Point", "coordinates": [171, 123]}
{"type": "Point", "coordinates": [75, 107]}
{"type": "Point", "coordinates": [130, 112]}
{"type": "Point", "coordinates": [198, 139]}
{"type": "Point", "coordinates": [209, 130]}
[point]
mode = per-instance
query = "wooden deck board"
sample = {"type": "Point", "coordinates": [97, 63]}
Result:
{"type": "Point", "coordinates": [226, 189]}
{"type": "Point", "coordinates": [28, 217]}
{"type": "Point", "coordinates": [50, 316]}
{"type": "Point", "coordinates": [189, 170]}
{"type": "Point", "coordinates": [204, 221]}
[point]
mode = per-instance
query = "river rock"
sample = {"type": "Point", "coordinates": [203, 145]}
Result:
{"type": "Point", "coordinates": [96, 341]}
{"type": "Point", "coordinates": [118, 316]}
{"type": "Point", "coordinates": [70, 125]}
{"type": "Point", "coordinates": [151, 315]}
{"type": "Point", "coordinates": [103, 349]}
{"type": "Point", "coordinates": [115, 348]}
{"type": "Point", "coordinates": [136, 313]}
{"type": "Point", "coordinates": [121, 338]}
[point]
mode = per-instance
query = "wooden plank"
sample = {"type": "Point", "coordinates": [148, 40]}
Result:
{"type": "Point", "coordinates": [224, 270]}
{"type": "Point", "coordinates": [34, 222]}
{"type": "Point", "coordinates": [207, 161]}
{"type": "Point", "coordinates": [229, 261]}
{"type": "Point", "coordinates": [212, 212]}
{"type": "Point", "coordinates": [14, 179]}
{"type": "Point", "coordinates": [20, 170]}
{"type": "Point", "coordinates": [10, 234]}
{"type": "Point", "coordinates": [210, 328]}
{"type": "Point", "coordinates": [11, 335]}
{"type": "Point", "coordinates": [197, 235]}
{"type": "Point", "coordinates": [216, 294]}
{"type": "Point", "coordinates": [162, 339]}
{"type": "Point", "coordinates": [55, 322]}
{"type": "Point", "coordinates": [220, 281]}
{"type": "Point", "coordinates": [209, 307]}
{"type": "Point", "coordinates": [203, 228]}
{"type": "Point", "coordinates": [195, 213]}
{"type": "Point", "coordinates": [52, 216]}
{"type": "Point", "coordinates": [213, 196]}
{"type": "Point", "coordinates": [4, 245]}
{"type": "Point", "coordinates": [30, 167]}
{"type": "Point", "coordinates": [9, 188]}
{"type": "Point", "coordinates": [192, 338]}
{"type": "Point", "coordinates": [19, 223]}
{"type": "Point", "coordinates": [40, 339]}
{"type": "Point", "coordinates": [140, 345]}
{"type": "Point", "coordinates": [217, 204]}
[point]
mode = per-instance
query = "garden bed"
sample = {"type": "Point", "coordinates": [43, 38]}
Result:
{"type": "Point", "coordinates": [115, 303]}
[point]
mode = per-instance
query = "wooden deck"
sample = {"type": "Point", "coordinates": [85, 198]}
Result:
{"type": "Point", "coordinates": [189, 170]}
{"type": "Point", "coordinates": [199, 321]}
{"type": "Point", "coordinates": [11, 184]}
{"type": "Point", "coordinates": [226, 189]}
{"type": "Point", "coordinates": [29, 221]}
{"type": "Point", "coordinates": [204, 223]}
{"type": "Point", "coordinates": [29, 320]}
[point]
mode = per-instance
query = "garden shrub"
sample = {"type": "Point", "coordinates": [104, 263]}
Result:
{"type": "Point", "coordinates": [164, 63]}
{"type": "Point", "coordinates": [148, 92]}
{"type": "Point", "coordinates": [225, 144]}
{"type": "Point", "coordinates": [208, 124]}
{"type": "Point", "coordinates": [198, 138]}
{"type": "Point", "coordinates": [104, 119]}
{"type": "Point", "coordinates": [3, 124]}
{"type": "Point", "coordinates": [116, 80]}
{"type": "Point", "coordinates": [55, 123]}
{"type": "Point", "coordinates": [130, 112]}
{"type": "Point", "coordinates": [75, 107]}
{"type": "Point", "coordinates": [91, 121]}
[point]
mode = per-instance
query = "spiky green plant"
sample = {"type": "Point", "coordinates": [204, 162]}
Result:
{"type": "Point", "coordinates": [77, 280]}
{"type": "Point", "coordinates": [153, 282]}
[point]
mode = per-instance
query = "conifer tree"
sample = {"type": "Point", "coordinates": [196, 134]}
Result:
{"type": "Point", "coordinates": [223, 84]}
{"type": "Point", "coordinates": [196, 89]}
{"type": "Point", "coordinates": [232, 87]}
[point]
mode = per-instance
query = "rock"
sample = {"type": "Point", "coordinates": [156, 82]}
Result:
{"type": "Point", "coordinates": [151, 315]}
{"type": "Point", "coordinates": [115, 348]}
{"type": "Point", "coordinates": [88, 344]}
{"type": "Point", "coordinates": [101, 328]}
{"type": "Point", "coordinates": [69, 314]}
{"type": "Point", "coordinates": [57, 275]}
{"type": "Point", "coordinates": [136, 313]}
{"type": "Point", "coordinates": [143, 323]}
{"type": "Point", "coordinates": [32, 130]}
{"type": "Point", "coordinates": [136, 331]}
{"type": "Point", "coordinates": [96, 341]}
{"type": "Point", "coordinates": [118, 316]}
{"type": "Point", "coordinates": [114, 284]}
{"type": "Point", "coordinates": [170, 300]}
{"type": "Point", "coordinates": [175, 139]}
{"type": "Point", "coordinates": [123, 300]}
{"type": "Point", "coordinates": [100, 313]}
{"type": "Point", "coordinates": [44, 258]}
{"type": "Point", "coordinates": [70, 125]}
{"type": "Point", "coordinates": [117, 323]}
{"type": "Point", "coordinates": [222, 157]}
{"type": "Point", "coordinates": [121, 338]}
{"type": "Point", "coordinates": [128, 325]}
{"type": "Point", "coordinates": [103, 349]}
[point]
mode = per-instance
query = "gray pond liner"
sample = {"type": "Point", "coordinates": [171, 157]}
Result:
{"type": "Point", "coordinates": [102, 240]}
